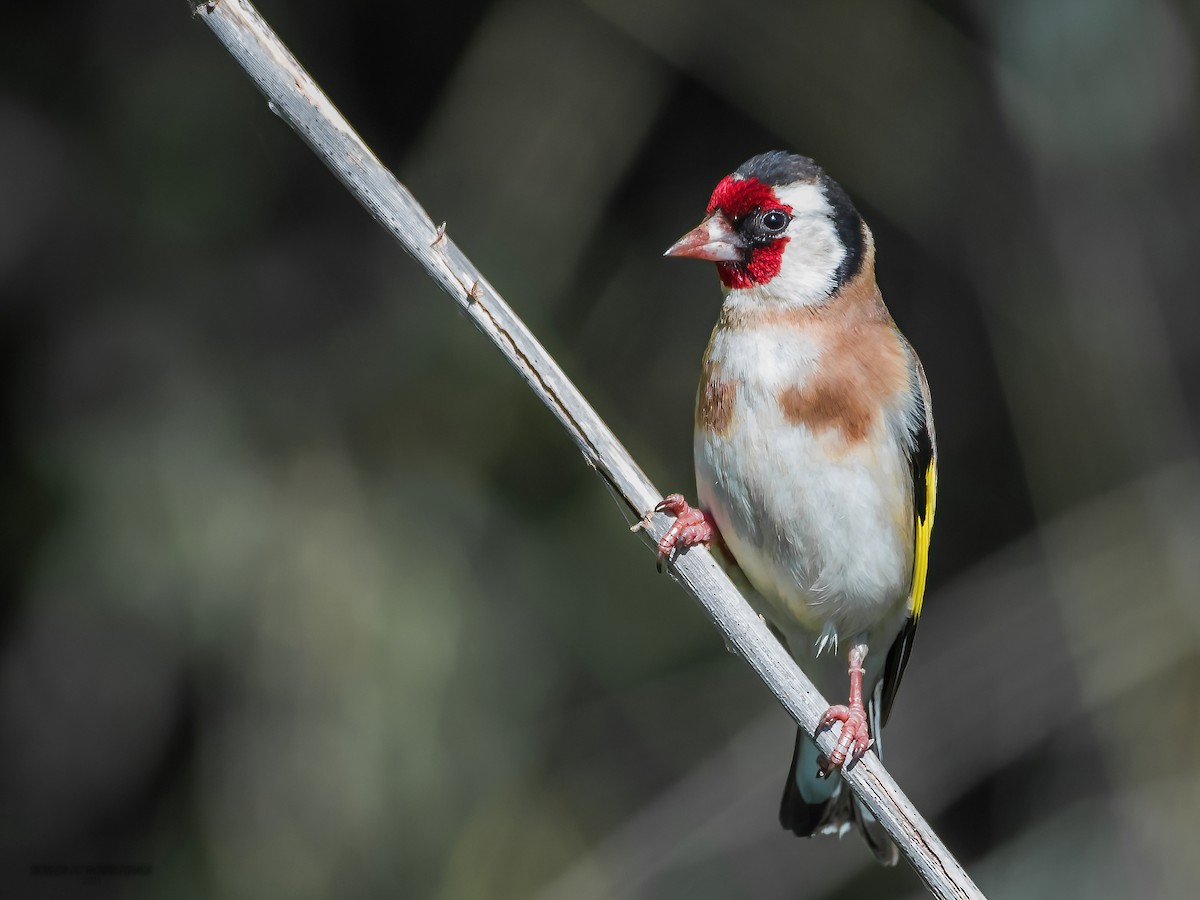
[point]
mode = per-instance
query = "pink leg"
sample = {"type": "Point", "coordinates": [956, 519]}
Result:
{"type": "Point", "coordinates": [855, 738]}
{"type": "Point", "coordinates": [692, 526]}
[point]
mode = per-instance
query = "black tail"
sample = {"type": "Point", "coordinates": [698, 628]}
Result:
{"type": "Point", "coordinates": [796, 814]}
{"type": "Point", "coordinates": [834, 815]}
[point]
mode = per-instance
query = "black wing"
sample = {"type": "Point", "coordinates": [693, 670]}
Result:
{"type": "Point", "coordinates": [923, 464]}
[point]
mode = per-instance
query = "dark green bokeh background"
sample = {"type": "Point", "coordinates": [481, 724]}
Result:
{"type": "Point", "coordinates": [305, 595]}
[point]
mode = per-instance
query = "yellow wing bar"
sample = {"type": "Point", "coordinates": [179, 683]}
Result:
{"type": "Point", "coordinates": [924, 530]}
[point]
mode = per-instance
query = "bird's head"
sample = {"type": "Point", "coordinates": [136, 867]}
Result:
{"type": "Point", "coordinates": [781, 229]}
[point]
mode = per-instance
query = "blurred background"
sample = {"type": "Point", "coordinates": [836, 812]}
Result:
{"type": "Point", "coordinates": [304, 594]}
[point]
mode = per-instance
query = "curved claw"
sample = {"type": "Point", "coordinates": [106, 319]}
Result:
{"type": "Point", "coordinates": [854, 739]}
{"type": "Point", "coordinates": [692, 526]}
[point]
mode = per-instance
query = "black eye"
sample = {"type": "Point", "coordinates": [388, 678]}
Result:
{"type": "Point", "coordinates": [775, 220]}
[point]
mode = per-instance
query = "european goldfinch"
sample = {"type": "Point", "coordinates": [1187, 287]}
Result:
{"type": "Point", "coordinates": [816, 463]}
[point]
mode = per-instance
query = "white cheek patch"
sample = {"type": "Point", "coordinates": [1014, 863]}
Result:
{"type": "Point", "coordinates": [814, 252]}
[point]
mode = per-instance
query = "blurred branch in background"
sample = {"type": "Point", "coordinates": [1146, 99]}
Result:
{"type": "Point", "coordinates": [301, 103]}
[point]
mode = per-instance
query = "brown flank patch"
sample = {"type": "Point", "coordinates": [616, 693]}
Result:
{"type": "Point", "coordinates": [714, 406]}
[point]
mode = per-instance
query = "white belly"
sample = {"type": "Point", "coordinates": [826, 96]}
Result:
{"type": "Point", "coordinates": [823, 531]}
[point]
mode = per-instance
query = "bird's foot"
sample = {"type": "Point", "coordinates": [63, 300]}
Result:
{"type": "Point", "coordinates": [692, 526]}
{"type": "Point", "coordinates": [855, 737]}
{"type": "Point", "coordinates": [854, 740]}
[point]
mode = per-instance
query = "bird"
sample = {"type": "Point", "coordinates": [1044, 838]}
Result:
{"type": "Point", "coordinates": [816, 460]}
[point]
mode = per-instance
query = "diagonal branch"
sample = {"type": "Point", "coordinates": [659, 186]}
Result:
{"type": "Point", "coordinates": [296, 98]}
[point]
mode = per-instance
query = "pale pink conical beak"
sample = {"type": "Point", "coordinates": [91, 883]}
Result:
{"type": "Point", "coordinates": [712, 239]}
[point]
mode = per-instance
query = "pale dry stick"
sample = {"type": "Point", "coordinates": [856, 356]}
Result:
{"type": "Point", "coordinates": [295, 97]}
